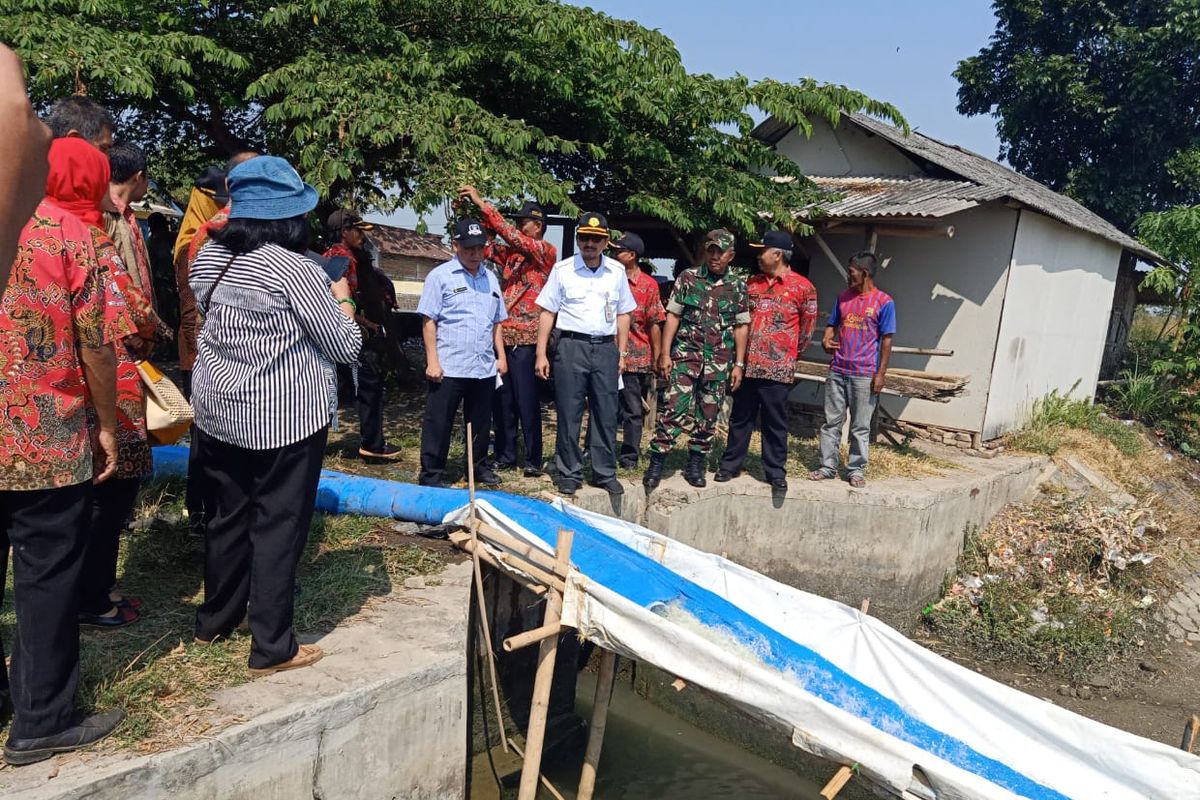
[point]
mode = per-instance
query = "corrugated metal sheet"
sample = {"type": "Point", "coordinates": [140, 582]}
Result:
{"type": "Point", "coordinates": [993, 179]}
{"type": "Point", "coordinates": [900, 197]}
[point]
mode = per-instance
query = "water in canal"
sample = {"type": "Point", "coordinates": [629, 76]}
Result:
{"type": "Point", "coordinates": [650, 755]}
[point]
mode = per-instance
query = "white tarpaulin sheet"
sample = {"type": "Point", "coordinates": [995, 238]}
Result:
{"type": "Point", "coordinates": [844, 685]}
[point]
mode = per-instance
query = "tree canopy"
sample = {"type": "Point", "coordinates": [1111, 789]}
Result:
{"type": "Point", "coordinates": [1096, 98]}
{"type": "Point", "coordinates": [389, 103]}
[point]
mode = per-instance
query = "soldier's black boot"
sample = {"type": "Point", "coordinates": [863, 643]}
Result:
{"type": "Point", "coordinates": [653, 476]}
{"type": "Point", "coordinates": [693, 473]}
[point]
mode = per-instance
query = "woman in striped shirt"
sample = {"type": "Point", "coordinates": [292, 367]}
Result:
{"type": "Point", "coordinates": [264, 392]}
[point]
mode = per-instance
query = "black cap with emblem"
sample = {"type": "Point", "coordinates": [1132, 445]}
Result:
{"type": "Point", "coordinates": [592, 222]}
{"type": "Point", "coordinates": [469, 233]}
{"type": "Point", "coordinates": [531, 210]}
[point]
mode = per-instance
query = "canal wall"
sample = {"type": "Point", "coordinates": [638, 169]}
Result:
{"type": "Point", "coordinates": [894, 542]}
{"type": "Point", "coordinates": [382, 716]}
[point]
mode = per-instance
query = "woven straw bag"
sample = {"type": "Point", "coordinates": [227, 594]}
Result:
{"type": "Point", "coordinates": [168, 413]}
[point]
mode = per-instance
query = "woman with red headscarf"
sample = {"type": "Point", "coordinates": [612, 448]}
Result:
{"type": "Point", "coordinates": [57, 327]}
{"type": "Point", "coordinates": [77, 181]}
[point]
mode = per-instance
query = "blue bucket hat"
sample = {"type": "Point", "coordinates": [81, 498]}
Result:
{"type": "Point", "coordinates": [268, 188]}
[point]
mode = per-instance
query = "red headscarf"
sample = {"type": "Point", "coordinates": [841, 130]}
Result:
{"type": "Point", "coordinates": [78, 178]}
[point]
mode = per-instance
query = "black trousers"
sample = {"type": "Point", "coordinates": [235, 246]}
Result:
{"type": "Point", "coordinates": [368, 400]}
{"type": "Point", "coordinates": [769, 399]}
{"type": "Point", "coordinates": [517, 401]}
{"type": "Point", "coordinates": [46, 530]}
{"type": "Point", "coordinates": [112, 503]}
{"type": "Point", "coordinates": [634, 395]}
{"type": "Point", "coordinates": [585, 375]}
{"type": "Point", "coordinates": [259, 505]}
{"type": "Point", "coordinates": [441, 406]}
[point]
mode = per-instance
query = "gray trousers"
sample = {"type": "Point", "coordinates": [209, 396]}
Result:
{"type": "Point", "coordinates": [585, 374]}
{"type": "Point", "coordinates": [852, 394]}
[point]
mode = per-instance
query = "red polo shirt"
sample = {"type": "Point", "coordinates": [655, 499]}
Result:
{"type": "Point", "coordinates": [649, 312]}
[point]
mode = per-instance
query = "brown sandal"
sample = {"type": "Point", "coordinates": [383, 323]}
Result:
{"type": "Point", "coordinates": [306, 656]}
{"type": "Point", "coordinates": [820, 475]}
{"type": "Point", "coordinates": [858, 482]}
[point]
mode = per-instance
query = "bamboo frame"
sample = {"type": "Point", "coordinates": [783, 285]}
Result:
{"type": "Point", "coordinates": [534, 636]}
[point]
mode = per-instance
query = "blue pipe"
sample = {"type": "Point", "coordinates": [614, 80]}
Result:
{"type": "Point", "coordinates": [339, 493]}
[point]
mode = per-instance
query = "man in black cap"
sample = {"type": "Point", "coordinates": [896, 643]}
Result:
{"type": "Point", "coordinates": [587, 299]}
{"type": "Point", "coordinates": [524, 259]}
{"type": "Point", "coordinates": [463, 309]}
{"type": "Point", "coordinates": [642, 350]}
{"type": "Point", "coordinates": [348, 233]}
{"type": "Point", "coordinates": [783, 314]}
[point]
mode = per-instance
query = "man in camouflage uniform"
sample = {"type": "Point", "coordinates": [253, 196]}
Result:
{"type": "Point", "coordinates": [703, 353]}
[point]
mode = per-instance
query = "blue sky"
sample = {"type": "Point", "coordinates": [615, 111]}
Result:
{"type": "Point", "coordinates": [902, 52]}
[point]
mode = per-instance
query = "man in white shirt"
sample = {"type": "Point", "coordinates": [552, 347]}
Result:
{"type": "Point", "coordinates": [587, 299]}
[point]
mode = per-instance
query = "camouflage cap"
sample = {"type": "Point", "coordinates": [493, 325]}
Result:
{"type": "Point", "coordinates": [720, 237]}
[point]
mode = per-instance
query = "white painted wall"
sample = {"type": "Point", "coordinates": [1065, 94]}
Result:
{"type": "Point", "coordinates": [845, 150]}
{"type": "Point", "coordinates": [948, 294]}
{"type": "Point", "coordinates": [1056, 312]}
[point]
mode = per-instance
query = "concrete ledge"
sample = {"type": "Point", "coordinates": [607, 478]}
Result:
{"type": "Point", "coordinates": [894, 541]}
{"type": "Point", "coordinates": [383, 715]}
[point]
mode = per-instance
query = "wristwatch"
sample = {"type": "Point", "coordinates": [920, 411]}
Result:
{"type": "Point", "coordinates": [739, 364]}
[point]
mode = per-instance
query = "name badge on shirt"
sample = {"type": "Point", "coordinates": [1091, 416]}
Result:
{"type": "Point", "coordinates": [610, 308]}
{"type": "Point", "coordinates": [460, 289]}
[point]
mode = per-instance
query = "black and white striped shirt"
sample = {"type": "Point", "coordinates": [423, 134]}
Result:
{"type": "Point", "coordinates": [264, 374]}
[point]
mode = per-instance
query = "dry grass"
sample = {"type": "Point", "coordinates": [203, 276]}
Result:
{"type": "Point", "coordinates": [154, 670]}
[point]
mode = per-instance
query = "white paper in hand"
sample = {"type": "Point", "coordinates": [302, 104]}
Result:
{"type": "Point", "coordinates": [620, 382]}
{"type": "Point", "coordinates": [499, 380]}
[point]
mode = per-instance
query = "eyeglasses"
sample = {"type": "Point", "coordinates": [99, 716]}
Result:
{"type": "Point", "coordinates": [591, 237]}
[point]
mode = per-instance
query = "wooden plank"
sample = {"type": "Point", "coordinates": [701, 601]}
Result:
{"type": "Point", "coordinates": [1191, 732]}
{"type": "Point", "coordinates": [837, 783]}
{"type": "Point", "coordinates": [907, 383]}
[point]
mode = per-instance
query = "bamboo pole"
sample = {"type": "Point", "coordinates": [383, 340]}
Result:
{"type": "Point", "coordinates": [531, 637]}
{"type": "Point", "coordinates": [463, 541]}
{"type": "Point", "coordinates": [543, 678]}
{"type": "Point", "coordinates": [544, 780]}
{"type": "Point", "coordinates": [591, 759]}
{"type": "Point", "coordinates": [479, 595]}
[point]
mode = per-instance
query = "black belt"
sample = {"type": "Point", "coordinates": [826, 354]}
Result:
{"type": "Point", "coordinates": [586, 337]}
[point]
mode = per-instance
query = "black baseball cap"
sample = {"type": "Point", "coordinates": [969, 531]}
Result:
{"type": "Point", "coordinates": [592, 222]}
{"type": "Point", "coordinates": [469, 233]}
{"type": "Point", "coordinates": [345, 218]}
{"type": "Point", "coordinates": [531, 210]}
{"type": "Point", "coordinates": [212, 183]}
{"type": "Point", "coordinates": [631, 241]}
{"type": "Point", "coordinates": [780, 239]}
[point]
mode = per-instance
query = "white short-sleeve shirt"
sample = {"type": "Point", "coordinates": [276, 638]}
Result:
{"type": "Point", "coordinates": [587, 301]}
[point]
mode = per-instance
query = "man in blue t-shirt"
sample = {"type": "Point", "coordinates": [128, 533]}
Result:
{"type": "Point", "coordinates": [859, 336]}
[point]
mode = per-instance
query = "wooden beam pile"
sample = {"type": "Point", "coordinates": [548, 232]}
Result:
{"type": "Point", "coordinates": [935, 386]}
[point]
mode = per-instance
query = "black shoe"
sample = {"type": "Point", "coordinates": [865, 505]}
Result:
{"type": "Point", "coordinates": [653, 475]}
{"type": "Point", "coordinates": [693, 473]}
{"type": "Point", "coordinates": [612, 486]}
{"type": "Point", "coordinates": [532, 472]}
{"type": "Point", "coordinates": [487, 477]}
{"type": "Point", "coordinates": [503, 466]}
{"type": "Point", "coordinates": [389, 452]}
{"type": "Point", "coordinates": [431, 484]}
{"type": "Point", "coordinates": [569, 488]}
{"type": "Point", "coordinates": [779, 486]}
{"type": "Point", "coordinates": [628, 463]}
{"type": "Point", "coordinates": [724, 476]}
{"type": "Point", "coordinates": [86, 732]}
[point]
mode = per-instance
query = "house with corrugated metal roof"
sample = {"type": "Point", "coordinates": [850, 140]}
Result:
{"type": "Point", "coordinates": [1027, 290]}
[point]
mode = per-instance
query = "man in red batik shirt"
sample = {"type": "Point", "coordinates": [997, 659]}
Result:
{"type": "Point", "coordinates": [642, 349]}
{"type": "Point", "coordinates": [783, 315]}
{"type": "Point", "coordinates": [524, 259]}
